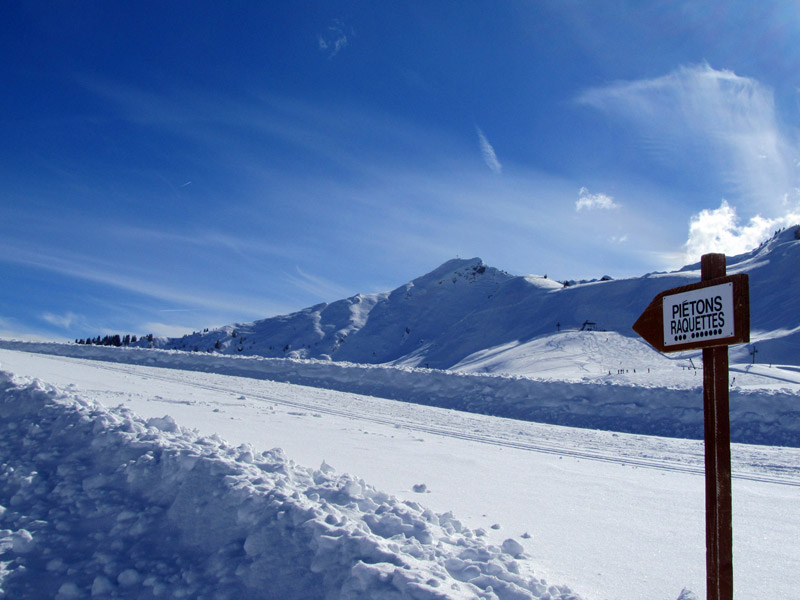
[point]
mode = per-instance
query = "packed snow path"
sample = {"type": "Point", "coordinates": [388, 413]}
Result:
{"type": "Point", "coordinates": [607, 527]}
{"type": "Point", "coordinates": [764, 410]}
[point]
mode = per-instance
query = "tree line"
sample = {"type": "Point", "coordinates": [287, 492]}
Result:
{"type": "Point", "coordinates": [113, 340]}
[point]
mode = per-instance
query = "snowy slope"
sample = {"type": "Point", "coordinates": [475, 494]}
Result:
{"type": "Point", "coordinates": [141, 504]}
{"type": "Point", "coordinates": [465, 309]}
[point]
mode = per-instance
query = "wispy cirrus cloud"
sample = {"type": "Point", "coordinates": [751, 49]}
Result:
{"type": "Point", "coordinates": [165, 329]}
{"type": "Point", "coordinates": [701, 110]}
{"type": "Point", "coordinates": [318, 286]}
{"type": "Point", "coordinates": [64, 321]}
{"type": "Point", "coordinates": [729, 124]}
{"type": "Point", "coordinates": [588, 201]}
{"type": "Point", "coordinates": [12, 329]}
{"type": "Point", "coordinates": [225, 127]}
{"type": "Point", "coordinates": [145, 284]}
{"type": "Point", "coordinates": [488, 153]}
{"type": "Point", "coordinates": [333, 40]}
{"type": "Point", "coordinates": [716, 114]}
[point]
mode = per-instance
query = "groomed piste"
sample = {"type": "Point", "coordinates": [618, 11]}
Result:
{"type": "Point", "coordinates": [759, 415]}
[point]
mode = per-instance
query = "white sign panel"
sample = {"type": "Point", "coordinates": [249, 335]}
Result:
{"type": "Point", "coordinates": [699, 315]}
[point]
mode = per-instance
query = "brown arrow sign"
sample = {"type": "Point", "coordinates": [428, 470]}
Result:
{"type": "Point", "coordinates": [706, 314]}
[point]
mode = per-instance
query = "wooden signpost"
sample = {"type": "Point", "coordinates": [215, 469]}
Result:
{"type": "Point", "coordinates": [709, 315]}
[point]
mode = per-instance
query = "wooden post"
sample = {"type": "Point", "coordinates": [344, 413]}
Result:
{"type": "Point", "coordinates": [719, 532]}
{"type": "Point", "coordinates": [672, 322]}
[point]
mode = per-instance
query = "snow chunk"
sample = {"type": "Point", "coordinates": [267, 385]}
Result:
{"type": "Point", "coordinates": [512, 547]}
{"type": "Point", "coordinates": [165, 423]}
{"type": "Point", "coordinates": [129, 578]}
{"type": "Point", "coordinates": [68, 590]}
{"type": "Point", "coordinates": [22, 542]}
{"type": "Point", "coordinates": [101, 586]}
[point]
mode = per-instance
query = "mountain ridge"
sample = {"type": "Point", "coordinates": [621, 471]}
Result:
{"type": "Point", "coordinates": [463, 307]}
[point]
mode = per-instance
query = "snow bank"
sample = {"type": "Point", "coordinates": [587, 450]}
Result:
{"type": "Point", "coordinates": [769, 417]}
{"type": "Point", "coordinates": [97, 502]}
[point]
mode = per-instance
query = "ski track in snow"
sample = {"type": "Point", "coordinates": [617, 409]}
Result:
{"type": "Point", "coordinates": [362, 408]}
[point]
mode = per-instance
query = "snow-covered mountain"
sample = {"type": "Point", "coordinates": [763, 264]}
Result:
{"type": "Point", "coordinates": [470, 316]}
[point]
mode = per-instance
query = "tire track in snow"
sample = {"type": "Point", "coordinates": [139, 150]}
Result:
{"type": "Point", "coordinates": [171, 376]}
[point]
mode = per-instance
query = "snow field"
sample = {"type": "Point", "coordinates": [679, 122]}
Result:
{"type": "Point", "coordinates": [617, 516]}
{"type": "Point", "coordinates": [759, 415]}
{"type": "Point", "coordinates": [100, 502]}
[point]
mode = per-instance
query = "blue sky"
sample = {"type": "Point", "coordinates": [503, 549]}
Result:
{"type": "Point", "coordinates": [170, 166]}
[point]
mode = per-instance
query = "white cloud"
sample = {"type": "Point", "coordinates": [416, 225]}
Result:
{"type": "Point", "coordinates": [333, 40]}
{"type": "Point", "coordinates": [165, 330]}
{"type": "Point", "coordinates": [64, 321]}
{"type": "Point", "coordinates": [720, 230]}
{"type": "Point", "coordinates": [489, 157]}
{"type": "Point", "coordinates": [589, 201]}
